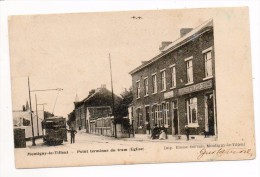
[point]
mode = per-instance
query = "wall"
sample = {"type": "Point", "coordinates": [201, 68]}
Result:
{"type": "Point", "coordinates": [177, 57]}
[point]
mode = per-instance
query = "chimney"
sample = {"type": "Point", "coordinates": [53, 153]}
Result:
{"type": "Point", "coordinates": [184, 31]}
{"type": "Point", "coordinates": [103, 86]}
{"type": "Point", "coordinates": [91, 92]}
{"type": "Point", "coordinates": [164, 44]}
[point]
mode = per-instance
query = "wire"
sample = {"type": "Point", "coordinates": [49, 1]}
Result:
{"type": "Point", "coordinates": [55, 102]}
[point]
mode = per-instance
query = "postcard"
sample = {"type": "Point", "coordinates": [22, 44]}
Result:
{"type": "Point", "coordinates": [130, 87]}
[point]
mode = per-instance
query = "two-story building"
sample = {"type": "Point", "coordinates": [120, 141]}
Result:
{"type": "Point", "coordinates": [96, 105]}
{"type": "Point", "coordinates": [177, 88]}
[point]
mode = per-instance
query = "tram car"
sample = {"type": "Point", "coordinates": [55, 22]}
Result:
{"type": "Point", "coordinates": [54, 130]}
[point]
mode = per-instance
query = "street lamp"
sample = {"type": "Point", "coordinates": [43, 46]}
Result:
{"type": "Point", "coordinates": [57, 89]}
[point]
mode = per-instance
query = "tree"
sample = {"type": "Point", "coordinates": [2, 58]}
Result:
{"type": "Point", "coordinates": [121, 110]}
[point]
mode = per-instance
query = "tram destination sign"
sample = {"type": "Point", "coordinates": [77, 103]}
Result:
{"type": "Point", "coordinates": [195, 88]}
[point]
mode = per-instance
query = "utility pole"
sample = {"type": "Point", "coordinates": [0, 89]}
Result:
{"type": "Point", "coordinates": [37, 116]}
{"type": "Point", "coordinates": [113, 101]}
{"type": "Point", "coordinates": [33, 140]}
{"type": "Point", "coordinates": [43, 112]}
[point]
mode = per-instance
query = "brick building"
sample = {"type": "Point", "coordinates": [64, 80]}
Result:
{"type": "Point", "coordinates": [177, 87]}
{"type": "Point", "coordinates": [96, 105]}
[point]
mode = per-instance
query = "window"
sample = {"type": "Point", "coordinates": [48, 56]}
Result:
{"type": "Point", "coordinates": [154, 83]}
{"type": "Point", "coordinates": [163, 113]}
{"type": "Point", "coordinates": [153, 114]}
{"type": "Point", "coordinates": [192, 112]}
{"type": "Point", "coordinates": [146, 87]}
{"type": "Point", "coordinates": [173, 77]}
{"type": "Point", "coordinates": [156, 114]}
{"type": "Point", "coordinates": [139, 118]}
{"type": "Point", "coordinates": [138, 86]}
{"type": "Point", "coordinates": [208, 64]}
{"type": "Point", "coordinates": [160, 114]}
{"type": "Point", "coordinates": [163, 81]}
{"type": "Point", "coordinates": [189, 71]}
{"type": "Point", "coordinates": [167, 112]}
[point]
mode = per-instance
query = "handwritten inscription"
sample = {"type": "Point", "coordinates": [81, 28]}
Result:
{"type": "Point", "coordinates": [223, 151]}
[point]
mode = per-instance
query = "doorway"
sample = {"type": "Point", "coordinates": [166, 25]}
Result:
{"type": "Point", "coordinates": [147, 119]}
{"type": "Point", "coordinates": [209, 114]}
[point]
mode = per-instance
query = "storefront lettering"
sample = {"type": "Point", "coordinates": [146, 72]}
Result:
{"type": "Point", "coordinates": [195, 88]}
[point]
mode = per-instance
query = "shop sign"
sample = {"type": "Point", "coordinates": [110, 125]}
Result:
{"type": "Point", "coordinates": [195, 88]}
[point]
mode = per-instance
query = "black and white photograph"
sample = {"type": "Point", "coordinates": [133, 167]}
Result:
{"type": "Point", "coordinates": [146, 86]}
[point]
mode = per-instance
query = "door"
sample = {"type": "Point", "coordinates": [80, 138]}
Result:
{"type": "Point", "coordinates": [175, 122]}
{"type": "Point", "coordinates": [147, 118]}
{"type": "Point", "coordinates": [210, 114]}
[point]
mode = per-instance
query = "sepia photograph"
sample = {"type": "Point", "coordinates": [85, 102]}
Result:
{"type": "Point", "coordinates": [148, 86]}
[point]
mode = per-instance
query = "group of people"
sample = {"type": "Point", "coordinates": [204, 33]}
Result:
{"type": "Point", "coordinates": [159, 132]}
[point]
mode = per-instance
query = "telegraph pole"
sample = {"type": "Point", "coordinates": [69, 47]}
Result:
{"type": "Point", "coordinates": [113, 101]}
{"type": "Point", "coordinates": [37, 116]}
{"type": "Point", "coordinates": [33, 140]}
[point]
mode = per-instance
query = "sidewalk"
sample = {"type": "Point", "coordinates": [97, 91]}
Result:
{"type": "Point", "coordinates": [147, 138]}
{"type": "Point", "coordinates": [170, 138]}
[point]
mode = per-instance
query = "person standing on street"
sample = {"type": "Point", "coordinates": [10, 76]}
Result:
{"type": "Point", "coordinates": [72, 135]}
{"type": "Point", "coordinates": [187, 129]}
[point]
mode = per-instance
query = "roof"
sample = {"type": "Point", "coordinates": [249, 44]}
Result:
{"type": "Point", "coordinates": [98, 94]}
{"type": "Point", "coordinates": [206, 26]}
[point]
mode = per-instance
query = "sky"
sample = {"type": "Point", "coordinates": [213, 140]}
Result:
{"type": "Point", "coordinates": [71, 51]}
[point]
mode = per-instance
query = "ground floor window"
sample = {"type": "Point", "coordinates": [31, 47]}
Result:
{"type": "Point", "coordinates": [160, 114]}
{"type": "Point", "coordinates": [139, 118]}
{"type": "Point", "coordinates": [165, 114]}
{"type": "Point", "coordinates": [191, 111]}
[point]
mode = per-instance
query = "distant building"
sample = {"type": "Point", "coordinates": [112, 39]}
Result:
{"type": "Point", "coordinates": [22, 119]}
{"type": "Point", "coordinates": [96, 105]}
{"type": "Point", "coordinates": [177, 88]}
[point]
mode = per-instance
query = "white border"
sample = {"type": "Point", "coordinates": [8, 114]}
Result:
{"type": "Point", "coordinates": [214, 169]}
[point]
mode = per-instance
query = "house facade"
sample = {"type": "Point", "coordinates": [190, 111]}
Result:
{"type": "Point", "coordinates": [176, 88]}
{"type": "Point", "coordinates": [96, 105]}
{"type": "Point", "coordinates": [22, 119]}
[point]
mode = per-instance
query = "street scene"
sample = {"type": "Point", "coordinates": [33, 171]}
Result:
{"type": "Point", "coordinates": [83, 141]}
{"type": "Point", "coordinates": [129, 87]}
{"type": "Point", "coordinates": [170, 97]}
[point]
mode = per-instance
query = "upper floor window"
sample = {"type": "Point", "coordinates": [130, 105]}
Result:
{"type": "Point", "coordinates": [138, 89]}
{"type": "Point", "coordinates": [154, 83]}
{"type": "Point", "coordinates": [163, 80]}
{"type": "Point", "coordinates": [189, 68]}
{"type": "Point", "coordinates": [173, 76]}
{"type": "Point", "coordinates": [207, 55]}
{"type": "Point", "coordinates": [146, 86]}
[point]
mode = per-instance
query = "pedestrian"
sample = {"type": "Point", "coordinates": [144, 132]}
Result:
{"type": "Point", "coordinates": [155, 132]}
{"type": "Point", "coordinates": [148, 129]}
{"type": "Point", "coordinates": [187, 129]}
{"type": "Point", "coordinates": [162, 135]}
{"type": "Point", "coordinates": [72, 135]}
{"type": "Point", "coordinates": [165, 131]}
